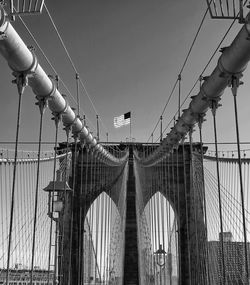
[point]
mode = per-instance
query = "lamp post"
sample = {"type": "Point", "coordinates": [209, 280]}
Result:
{"type": "Point", "coordinates": [56, 190]}
{"type": "Point", "coordinates": [160, 258]}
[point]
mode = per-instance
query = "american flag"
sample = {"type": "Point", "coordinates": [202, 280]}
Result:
{"type": "Point", "coordinates": [122, 120]}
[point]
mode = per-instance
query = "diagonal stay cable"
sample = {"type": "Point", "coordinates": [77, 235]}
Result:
{"type": "Point", "coordinates": [183, 66]}
{"type": "Point", "coordinates": [169, 97]}
{"type": "Point", "coordinates": [72, 63]}
{"type": "Point", "coordinates": [53, 68]}
{"type": "Point", "coordinates": [204, 69]}
{"type": "Point", "coordinates": [206, 66]}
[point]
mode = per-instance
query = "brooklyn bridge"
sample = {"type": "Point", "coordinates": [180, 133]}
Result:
{"type": "Point", "coordinates": [80, 208]}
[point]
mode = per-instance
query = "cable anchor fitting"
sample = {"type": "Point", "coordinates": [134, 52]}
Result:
{"type": "Point", "coordinates": [201, 119]}
{"type": "Point", "coordinates": [214, 105]}
{"type": "Point", "coordinates": [235, 83]}
{"type": "Point", "coordinates": [42, 103]}
{"type": "Point", "coordinates": [21, 77]}
{"type": "Point", "coordinates": [21, 80]}
{"type": "Point", "coordinates": [57, 118]}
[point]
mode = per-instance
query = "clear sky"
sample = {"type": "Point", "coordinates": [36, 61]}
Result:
{"type": "Point", "coordinates": [129, 54]}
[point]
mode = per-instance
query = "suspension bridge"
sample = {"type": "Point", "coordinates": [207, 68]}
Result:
{"type": "Point", "coordinates": [172, 210]}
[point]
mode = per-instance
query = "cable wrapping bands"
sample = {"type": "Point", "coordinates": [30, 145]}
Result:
{"type": "Point", "coordinates": [233, 61]}
{"type": "Point", "coordinates": [21, 60]}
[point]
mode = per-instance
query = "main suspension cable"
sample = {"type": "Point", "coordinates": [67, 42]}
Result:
{"type": "Point", "coordinates": [71, 61]}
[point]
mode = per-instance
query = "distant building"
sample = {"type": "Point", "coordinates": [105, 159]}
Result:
{"type": "Point", "coordinates": [234, 258]}
{"type": "Point", "coordinates": [22, 276]}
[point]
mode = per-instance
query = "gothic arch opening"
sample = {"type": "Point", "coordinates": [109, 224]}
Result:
{"type": "Point", "coordinates": [102, 241]}
{"type": "Point", "coordinates": [158, 233]}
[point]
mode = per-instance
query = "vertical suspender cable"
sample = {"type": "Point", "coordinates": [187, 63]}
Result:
{"type": "Point", "coordinates": [105, 238]}
{"type": "Point", "coordinates": [158, 217]}
{"type": "Point", "coordinates": [57, 120]}
{"type": "Point", "coordinates": [42, 105]}
{"type": "Point", "coordinates": [60, 261]}
{"type": "Point", "coordinates": [204, 198]}
{"type": "Point", "coordinates": [98, 204]}
{"type": "Point", "coordinates": [102, 239]}
{"type": "Point", "coordinates": [169, 224]}
{"type": "Point", "coordinates": [97, 127]}
{"type": "Point", "coordinates": [194, 202]}
{"type": "Point", "coordinates": [77, 94]}
{"type": "Point", "coordinates": [91, 210]}
{"type": "Point", "coordinates": [85, 213]}
{"type": "Point", "coordinates": [20, 84]}
{"type": "Point", "coordinates": [161, 129]}
{"type": "Point", "coordinates": [235, 84]}
{"type": "Point", "coordinates": [179, 97]}
{"type": "Point", "coordinates": [150, 211]}
{"type": "Point", "coordinates": [178, 207]}
{"type": "Point", "coordinates": [81, 222]}
{"type": "Point", "coordinates": [214, 106]}
{"type": "Point", "coordinates": [187, 212]}
{"type": "Point", "coordinates": [72, 201]}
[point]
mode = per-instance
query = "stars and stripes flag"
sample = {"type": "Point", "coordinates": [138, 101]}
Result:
{"type": "Point", "coordinates": [122, 120]}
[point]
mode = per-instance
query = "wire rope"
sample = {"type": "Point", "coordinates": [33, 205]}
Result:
{"type": "Point", "coordinates": [198, 79]}
{"type": "Point", "coordinates": [72, 63]}
{"type": "Point", "coordinates": [183, 66]}
{"type": "Point", "coordinates": [53, 68]}
{"type": "Point", "coordinates": [42, 105]}
{"type": "Point", "coordinates": [20, 92]}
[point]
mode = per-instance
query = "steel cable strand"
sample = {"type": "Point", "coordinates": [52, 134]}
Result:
{"type": "Point", "coordinates": [74, 171]}
{"type": "Point", "coordinates": [204, 69]}
{"type": "Point", "coordinates": [200, 186]}
{"type": "Point", "coordinates": [200, 124]}
{"type": "Point", "coordinates": [105, 238]}
{"type": "Point", "coordinates": [109, 238]}
{"type": "Point", "coordinates": [163, 218]}
{"type": "Point", "coordinates": [53, 198]}
{"type": "Point", "coordinates": [98, 223]}
{"type": "Point", "coordinates": [20, 78]}
{"type": "Point", "coordinates": [72, 63]}
{"type": "Point", "coordinates": [150, 211]}
{"type": "Point", "coordinates": [169, 221]}
{"type": "Point", "coordinates": [81, 222]}
{"type": "Point", "coordinates": [203, 237]}
{"type": "Point", "coordinates": [223, 188]}
{"type": "Point", "coordinates": [183, 66]}
{"type": "Point", "coordinates": [213, 203]}
{"type": "Point", "coordinates": [95, 218]}
{"type": "Point", "coordinates": [42, 105]}
{"type": "Point", "coordinates": [52, 67]}
{"type": "Point", "coordinates": [234, 88]}
{"type": "Point", "coordinates": [232, 216]}
{"type": "Point", "coordinates": [63, 214]}
{"type": "Point", "coordinates": [194, 202]}
{"type": "Point", "coordinates": [2, 243]}
{"type": "Point", "coordinates": [178, 209]}
{"type": "Point", "coordinates": [213, 183]}
{"type": "Point", "coordinates": [186, 210]}
{"type": "Point", "coordinates": [85, 208]}
{"type": "Point", "coordinates": [215, 223]}
{"type": "Point", "coordinates": [29, 235]}
{"type": "Point", "coordinates": [92, 246]}
{"type": "Point", "coordinates": [227, 195]}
